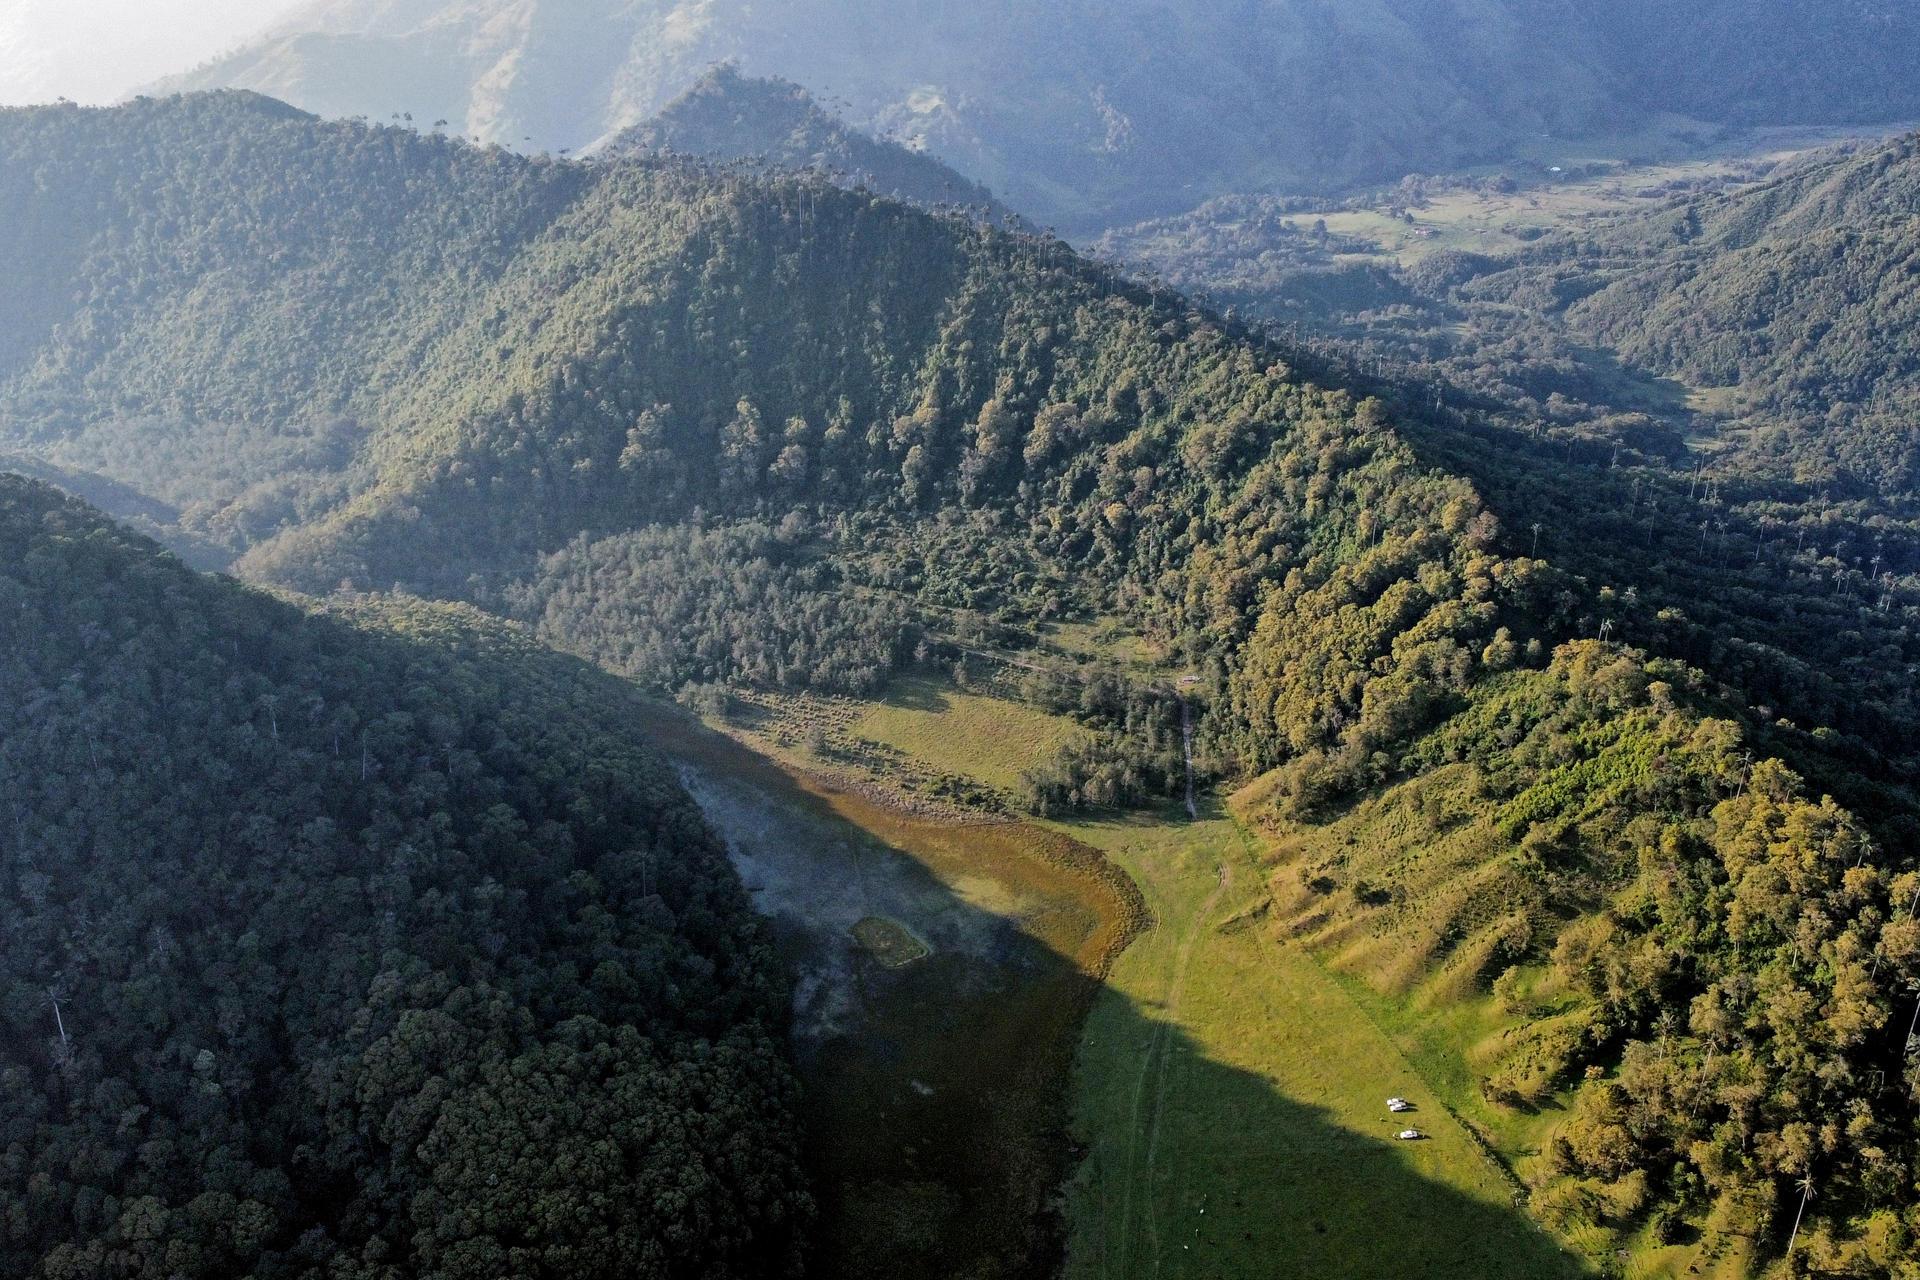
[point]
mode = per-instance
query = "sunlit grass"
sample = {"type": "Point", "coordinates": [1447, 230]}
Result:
{"type": "Point", "coordinates": [1232, 1101]}
{"type": "Point", "coordinates": [988, 739]}
{"type": "Point", "coordinates": [1637, 171]}
{"type": "Point", "coordinates": [1230, 1086]}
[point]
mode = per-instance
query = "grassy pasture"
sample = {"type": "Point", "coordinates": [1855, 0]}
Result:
{"type": "Point", "coordinates": [1228, 1080]}
{"type": "Point", "coordinates": [987, 739]}
{"type": "Point", "coordinates": [1639, 171]}
{"type": "Point", "coordinates": [1231, 1099]}
{"type": "Point", "coordinates": [1404, 903]}
{"type": "Point", "coordinates": [1229, 1091]}
{"type": "Point", "coordinates": [890, 942]}
{"type": "Point", "coordinates": [943, 969]}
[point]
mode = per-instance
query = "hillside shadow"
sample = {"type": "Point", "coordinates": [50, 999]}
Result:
{"type": "Point", "coordinates": [938, 1095]}
{"type": "Point", "coordinates": [916, 695]}
{"type": "Point", "coordinates": [1630, 387]}
{"type": "Point", "coordinates": [1278, 1187]}
{"type": "Point", "coordinates": [140, 511]}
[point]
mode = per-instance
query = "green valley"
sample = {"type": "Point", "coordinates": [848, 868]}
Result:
{"type": "Point", "coordinates": [1228, 1094]}
{"type": "Point", "coordinates": [1115, 747]}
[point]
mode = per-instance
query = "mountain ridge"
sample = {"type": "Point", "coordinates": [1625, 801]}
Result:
{"type": "Point", "coordinates": [716, 430]}
{"type": "Point", "coordinates": [1096, 115]}
{"type": "Point", "coordinates": [726, 117]}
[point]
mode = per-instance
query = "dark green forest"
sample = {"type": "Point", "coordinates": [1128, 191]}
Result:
{"type": "Point", "coordinates": [700, 426]}
{"type": "Point", "coordinates": [357, 943]}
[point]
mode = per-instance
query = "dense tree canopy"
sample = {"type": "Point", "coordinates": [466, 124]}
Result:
{"type": "Point", "coordinates": [364, 944]}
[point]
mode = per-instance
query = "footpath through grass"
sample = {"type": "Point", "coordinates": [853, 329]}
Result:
{"type": "Point", "coordinates": [1231, 1100]}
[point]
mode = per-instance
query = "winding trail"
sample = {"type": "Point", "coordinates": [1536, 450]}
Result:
{"type": "Point", "coordinates": [1149, 1103]}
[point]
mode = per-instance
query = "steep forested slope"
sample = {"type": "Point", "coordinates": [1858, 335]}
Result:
{"type": "Point", "coordinates": [854, 368]}
{"type": "Point", "coordinates": [705, 428]}
{"type": "Point", "coordinates": [364, 944]}
{"type": "Point", "coordinates": [776, 124]}
{"type": "Point", "coordinates": [1802, 296]}
{"type": "Point", "coordinates": [1767, 62]}
{"type": "Point", "coordinates": [198, 313]}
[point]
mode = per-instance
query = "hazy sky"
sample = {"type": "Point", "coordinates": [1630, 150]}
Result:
{"type": "Point", "coordinates": [99, 50]}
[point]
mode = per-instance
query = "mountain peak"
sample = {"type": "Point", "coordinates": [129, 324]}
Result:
{"type": "Point", "coordinates": [772, 122]}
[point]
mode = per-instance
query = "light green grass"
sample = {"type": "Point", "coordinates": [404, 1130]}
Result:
{"type": "Point", "coordinates": [1231, 1099]}
{"type": "Point", "coordinates": [1638, 164]}
{"type": "Point", "coordinates": [988, 739]}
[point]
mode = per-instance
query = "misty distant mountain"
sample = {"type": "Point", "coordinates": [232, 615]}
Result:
{"type": "Point", "coordinates": [99, 50]}
{"type": "Point", "coordinates": [777, 124]}
{"type": "Point", "coordinates": [1089, 114]}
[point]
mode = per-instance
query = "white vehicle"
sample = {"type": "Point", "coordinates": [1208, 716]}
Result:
{"type": "Point", "coordinates": [1410, 1135]}
{"type": "Point", "coordinates": [1399, 1104]}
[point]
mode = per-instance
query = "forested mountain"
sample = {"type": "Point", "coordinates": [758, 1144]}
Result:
{"type": "Point", "coordinates": [705, 427]}
{"type": "Point", "coordinates": [359, 944]}
{"type": "Point", "coordinates": [1789, 305]}
{"type": "Point", "coordinates": [775, 124]}
{"type": "Point", "coordinates": [846, 360]}
{"type": "Point", "coordinates": [1803, 297]}
{"type": "Point", "coordinates": [1768, 62]}
{"type": "Point", "coordinates": [1090, 114]}
{"type": "Point", "coordinates": [1784, 302]}
{"type": "Point", "coordinates": [205, 373]}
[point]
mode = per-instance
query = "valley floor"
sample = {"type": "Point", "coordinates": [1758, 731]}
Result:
{"type": "Point", "coordinates": [1227, 1115]}
{"type": "Point", "coordinates": [1232, 1100]}
{"type": "Point", "coordinates": [944, 966]}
